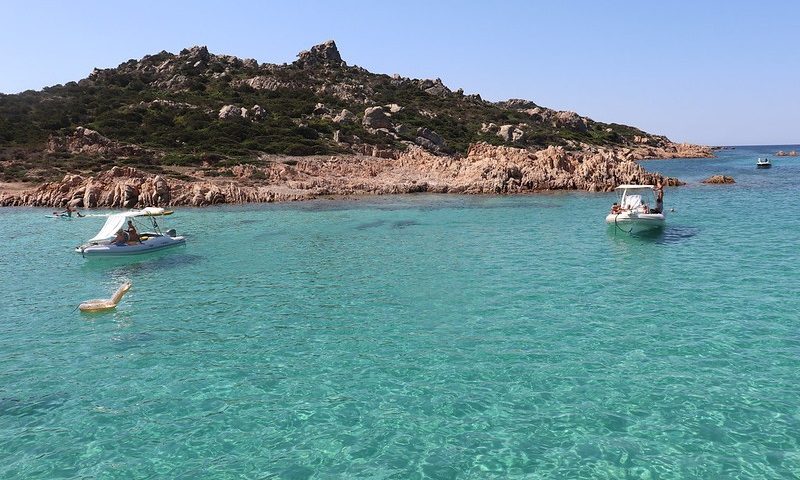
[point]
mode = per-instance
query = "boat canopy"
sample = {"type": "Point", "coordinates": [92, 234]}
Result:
{"type": "Point", "coordinates": [113, 224]}
{"type": "Point", "coordinates": [635, 187]}
{"type": "Point", "coordinates": [117, 221]}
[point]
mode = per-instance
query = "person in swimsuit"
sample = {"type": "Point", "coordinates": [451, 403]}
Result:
{"type": "Point", "coordinates": [121, 238]}
{"type": "Point", "coordinates": [659, 197]}
{"type": "Point", "coordinates": [133, 235]}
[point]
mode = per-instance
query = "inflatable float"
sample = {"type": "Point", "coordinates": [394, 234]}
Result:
{"type": "Point", "coordinates": [100, 305]}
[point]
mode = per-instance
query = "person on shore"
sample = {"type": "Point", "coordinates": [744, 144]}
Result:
{"type": "Point", "coordinates": [121, 238]}
{"type": "Point", "coordinates": [133, 235]}
{"type": "Point", "coordinates": [659, 197]}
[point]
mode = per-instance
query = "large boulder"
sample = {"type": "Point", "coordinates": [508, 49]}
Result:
{"type": "Point", "coordinates": [345, 117]}
{"type": "Point", "coordinates": [231, 111]}
{"type": "Point", "coordinates": [435, 88]}
{"type": "Point", "coordinates": [510, 133]}
{"type": "Point", "coordinates": [375, 117]}
{"type": "Point", "coordinates": [719, 179]}
{"type": "Point", "coordinates": [432, 136]}
{"type": "Point", "coordinates": [518, 104]}
{"type": "Point", "coordinates": [198, 53]}
{"type": "Point", "coordinates": [570, 120]}
{"type": "Point", "coordinates": [488, 128]}
{"type": "Point", "coordinates": [393, 108]}
{"type": "Point", "coordinates": [257, 112]}
{"type": "Point", "coordinates": [403, 130]}
{"type": "Point", "coordinates": [320, 109]}
{"type": "Point", "coordinates": [130, 196]}
{"type": "Point", "coordinates": [89, 142]}
{"type": "Point", "coordinates": [323, 54]}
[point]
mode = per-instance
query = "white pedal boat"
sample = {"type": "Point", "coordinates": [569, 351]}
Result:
{"type": "Point", "coordinates": [102, 244]}
{"type": "Point", "coordinates": [633, 214]}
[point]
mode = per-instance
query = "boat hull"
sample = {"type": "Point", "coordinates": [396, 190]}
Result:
{"type": "Point", "coordinates": [763, 165]}
{"type": "Point", "coordinates": [637, 223]}
{"type": "Point", "coordinates": [152, 244]}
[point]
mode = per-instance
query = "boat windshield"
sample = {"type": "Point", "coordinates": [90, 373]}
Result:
{"type": "Point", "coordinates": [633, 197]}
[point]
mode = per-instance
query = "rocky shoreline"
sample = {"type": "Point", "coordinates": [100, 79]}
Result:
{"type": "Point", "coordinates": [486, 169]}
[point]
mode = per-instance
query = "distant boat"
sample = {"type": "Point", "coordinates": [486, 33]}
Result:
{"type": "Point", "coordinates": [103, 245]}
{"type": "Point", "coordinates": [632, 213]}
{"type": "Point", "coordinates": [763, 163]}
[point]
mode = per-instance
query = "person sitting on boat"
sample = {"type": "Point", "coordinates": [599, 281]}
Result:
{"type": "Point", "coordinates": [121, 238]}
{"type": "Point", "coordinates": [616, 209]}
{"type": "Point", "coordinates": [133, 235]}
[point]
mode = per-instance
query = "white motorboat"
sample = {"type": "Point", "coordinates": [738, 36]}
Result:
{"type": "Point", "coordinates": [104, 245]}
{"type": "Point", "coordinates": [637, 210]}
{"type": "Point", "coordinates": [763, 163]}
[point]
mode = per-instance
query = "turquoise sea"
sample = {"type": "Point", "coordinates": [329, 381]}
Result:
{"type": "Point", "coordinates": [419, 336]}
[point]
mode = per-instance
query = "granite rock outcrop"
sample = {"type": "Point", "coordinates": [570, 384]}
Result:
{"type": "Point", "coordinates": [719, 180]}
{"type": "Point", "coordinates": [323, 54]}
{"type": "Point", "coordinates": [89, 142]}
{"type": "Point", "coordinates": [486, 169]}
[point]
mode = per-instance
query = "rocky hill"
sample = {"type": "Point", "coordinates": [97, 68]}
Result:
{"type": "Point", "coordinates": [200, 122]}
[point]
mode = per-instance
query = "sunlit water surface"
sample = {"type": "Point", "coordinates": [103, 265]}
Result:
{"type": "Point", "coordinates": [416, 337]}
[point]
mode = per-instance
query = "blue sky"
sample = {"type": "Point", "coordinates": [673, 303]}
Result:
{"type": "Point", "coordinates": [719, 73]}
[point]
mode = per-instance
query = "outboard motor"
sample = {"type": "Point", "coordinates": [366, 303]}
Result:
{"type": "Point", "coordinates": [171, 233]}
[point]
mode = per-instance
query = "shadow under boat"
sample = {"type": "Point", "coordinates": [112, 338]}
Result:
{"type": "Point", "coordinates": [154, 261]}
{"type": "Point", "coordinates": [669, 234]}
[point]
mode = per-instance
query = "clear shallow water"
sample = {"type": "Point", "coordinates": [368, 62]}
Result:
{"type": "Point", "coordinates": [416, 337]}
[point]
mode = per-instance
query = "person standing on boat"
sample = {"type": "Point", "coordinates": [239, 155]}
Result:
{"type": "Point", "coordinates": [659, 197]}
